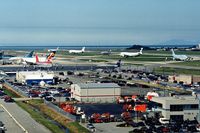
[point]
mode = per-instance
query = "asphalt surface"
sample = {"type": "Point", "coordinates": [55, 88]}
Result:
{"type": "Point", "coordinates": [114, 109]}
{"type": "Point", "coordinates": [110, 128]}
{"type": "Point", "coordinates": [11, 126]}
{"type": "Point", "coordinates": [23, 118]}
{"type": "Point", "coordinates": [10, 68]}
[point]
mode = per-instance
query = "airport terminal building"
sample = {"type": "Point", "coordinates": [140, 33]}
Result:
{"type": "Point", "coordinates": [95, 92]}
{"type": "Point", "coordinates": [178, 107]}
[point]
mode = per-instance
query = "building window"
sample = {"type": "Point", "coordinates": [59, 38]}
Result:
{"type": "Point", "coordinates": [155, 105]}
{"type": "Point", "coordinates": [194, 106]}
{"type": "Point", "coordinates": [176, 107]}
{"type": "Point", "coordinates": [159, 105]}
{"type": "Point", "coordinates": [176, 117]}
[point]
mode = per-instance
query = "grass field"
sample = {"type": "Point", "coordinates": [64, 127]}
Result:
{"type": "Point", "coordinates": [64, 53]}
{"type": "Point", "coordinates": [93, 60]}
{"type": "Point", "coordinates": [40, 118]}
{"type": "Point", "coordinates": [195, 63]}
{"type": "Point", "coordinates": [10, 93]}
{"type": "Point", "coordinates": [48, 117]}
{"type": "Point", "coordinates": [177, 52]}
{"type": "Point", "coordinates": [154, 58]}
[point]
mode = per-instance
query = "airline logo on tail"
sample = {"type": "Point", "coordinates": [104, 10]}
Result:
{"type": "Point", "coordinates": [48, 60]}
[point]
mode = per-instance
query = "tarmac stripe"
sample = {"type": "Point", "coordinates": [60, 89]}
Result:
{"type": "Point", "coordinates": [14, 119]}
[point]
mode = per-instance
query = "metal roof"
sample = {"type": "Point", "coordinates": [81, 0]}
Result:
{"type": "Point", "coordinates": [97, 85]}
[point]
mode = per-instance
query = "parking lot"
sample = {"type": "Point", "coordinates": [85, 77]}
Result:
{"type": "Point", "coordinates": [110, 128]}
{"type": "Point", "coordinates": [112, 108]}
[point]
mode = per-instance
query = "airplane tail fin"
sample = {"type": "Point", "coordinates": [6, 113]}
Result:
{"type": "Point", "coordinates": [29, 54]}
{"type": "Point", "coordinates": [118, 63]}
{"type": "Point", "coordinates": [49, 57]}
{"type": "Point", "coordinates": [37, 59]}
{"type": "Point", "coordinates": [141, 50]}
{"type": "Point", "coordinates": [172, 52]}
{"type": "Point", "coordinates": [83, 49]}
{"type": "Point", "coordinates": [1, 54]}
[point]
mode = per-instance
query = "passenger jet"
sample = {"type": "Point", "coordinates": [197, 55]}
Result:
{"type": "Point", "coordinates": [53, 50]}
{"type": "Point", "coordinates": [131, 54]}
{"type": "Point", "coordinates": [77, 51]}
{"type": "Point", "coordinates": [179, 57]}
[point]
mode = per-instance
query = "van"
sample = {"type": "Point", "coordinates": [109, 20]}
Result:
{"type": "Point", "coordinates": [164, 121]}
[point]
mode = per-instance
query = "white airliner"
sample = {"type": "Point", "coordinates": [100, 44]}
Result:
{"type": "Point", "coordinates": [40, 61]}
{"type": "Point", "coordinates": [31, 59]}
{"type": "Point", "coordinates": [180, 57]}
{"type": "Point", "coordinates": [131, 54]}
{"type": "Point", "coordinates": [19, 59]}
{"type": "Point", "coordinates": [53, 50]}
{"type": "Point", "coordinates": [77, 51]}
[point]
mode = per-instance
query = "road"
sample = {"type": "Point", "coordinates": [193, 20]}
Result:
{"type": "Point", "coordinates": [10, 125]}
{"type": "Point", "coordinates": [22, 117]}
{"type": "Point", "coordinates": [10, 68]}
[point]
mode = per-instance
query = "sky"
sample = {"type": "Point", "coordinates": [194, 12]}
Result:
{"type": "Point", "coordinates": [98, 21]}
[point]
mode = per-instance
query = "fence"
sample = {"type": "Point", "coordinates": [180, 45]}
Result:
{"type": "Point", "coordinates": [56, 108]}
{"type": "Point", "coordinates": [15, 88]}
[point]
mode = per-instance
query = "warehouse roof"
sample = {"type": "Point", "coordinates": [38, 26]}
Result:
{"type": "Point", "coordinates": [175, 99]}
{"type": "Point", "coordinates": [97, 85]}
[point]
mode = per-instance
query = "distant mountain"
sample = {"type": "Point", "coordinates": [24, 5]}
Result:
{"type": "Point", "coordinates": [177, 42]}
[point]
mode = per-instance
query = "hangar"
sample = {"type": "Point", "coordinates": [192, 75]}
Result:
{"type": "Point", "coordinates": [95, 92]}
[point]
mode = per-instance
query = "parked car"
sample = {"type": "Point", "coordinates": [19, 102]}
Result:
{"type": "Point", "coordinates": [44, 94]}
{"type": "Point", "coordinates": [91, 127]}
{"type": "Point", "coordinates": [198, 127]}
{"type": "Point", "coordinates": [164, 121]}
{"type": "Point", "coordinates": [56, 95]}
{"type": "Point", "coordinates": [2, 127]}
{"type": "Point", "coordinates": [50, 98]}
{"type": "Point", "coordinates": [8, 99]}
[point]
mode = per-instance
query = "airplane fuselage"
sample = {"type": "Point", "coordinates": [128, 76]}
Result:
{"type": "Point", "coordinates": [180, 57]}
{"type": "Point", "coordinates": [129, 54]}
{"type": "Point", "coordinates": [27, 59]}
{"type": "Point", "coordinates": [75, 51]}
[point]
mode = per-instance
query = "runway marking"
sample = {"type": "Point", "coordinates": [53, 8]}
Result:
{"type": "Point", "coordinates": [14, 119]}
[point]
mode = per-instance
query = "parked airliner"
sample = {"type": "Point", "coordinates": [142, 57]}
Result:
{"type": "Point", "coordinates": [131, 54]}
{"type": "Point", "coordinates": [179, 57]}
{"type": "Point", "coordinates": [77, 51]}
{"type": "Point", "coordinates": [53, 50]}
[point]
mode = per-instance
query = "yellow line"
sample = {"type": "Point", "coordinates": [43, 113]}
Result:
{"type": "Point", "coordinates": [14, 119]}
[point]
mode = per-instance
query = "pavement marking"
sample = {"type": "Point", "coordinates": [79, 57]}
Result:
{"type": "Point", "coordinates": [14, 119]}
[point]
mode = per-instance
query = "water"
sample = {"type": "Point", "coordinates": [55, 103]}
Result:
{"type": "Point", "coordinates": [88, 47]}
{"type": "Point", "coordinates": [102, 47]}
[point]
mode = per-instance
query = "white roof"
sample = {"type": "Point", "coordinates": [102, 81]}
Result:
{"type": "Point", "coordinates": [39, 76]}
{"type": "Point", "coordinates": [97, 85]}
